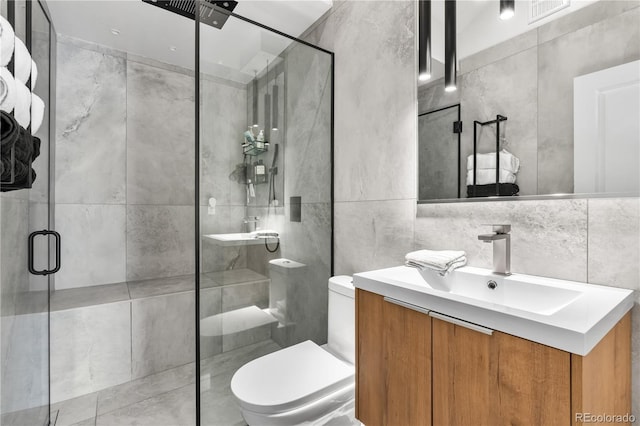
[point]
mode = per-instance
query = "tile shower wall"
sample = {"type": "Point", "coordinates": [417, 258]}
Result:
{"type": "Point", "coordinates": [376, 220]}
{"type": "Point", "coordinates": [124, 176]}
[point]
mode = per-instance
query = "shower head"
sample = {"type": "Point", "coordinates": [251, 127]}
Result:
{"type": "Point", "coordinates": [213, 13]}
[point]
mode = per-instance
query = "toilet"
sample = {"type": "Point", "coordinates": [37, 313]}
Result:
{"type": "Point", "coordinates": [303, 382]}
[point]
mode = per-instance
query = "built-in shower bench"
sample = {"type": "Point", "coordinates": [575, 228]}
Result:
{"type": "Point", "coordinates": [110, 334]}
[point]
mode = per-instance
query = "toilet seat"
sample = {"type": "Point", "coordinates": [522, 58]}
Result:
{"type": "Point", "coordinates": [290, 378]}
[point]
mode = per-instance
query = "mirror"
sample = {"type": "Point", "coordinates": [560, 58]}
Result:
{"type": "Point", "coordinates": [557, 98]}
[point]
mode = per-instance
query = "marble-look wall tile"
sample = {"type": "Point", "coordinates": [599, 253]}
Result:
{"type": "Point", "coordinates": [25, 362]}
{"type": "Point", "coordinates": [548, 238]}
{"type": "Point", "coordinates": [90, 349]}
{"type": "Point", "coordinates": [614, 242]}
{"type": "Point", "coordinates": [90, 126]}
{"type": "Point", "coordinates": [242, 295]}
{"type": "Point", "coordinates": [507, 87]}
{"type": "Point", "coordinates": [375, 95]}
{"type": "Point", "coordinates": [616, 41]}
{"type": "Point", "coordinates": [307, 154]}
{"type": "Point", "coordinates": [160, 136]}
{"type": "Point", "coordinates": [500, 51]}
{"type": "Point", "coordinates": [210, 304]}
{"type": "Point", "coordinates": [162, 333]}
{"type": "Point", "coordinates": [584, 17]}
{"type": "Point", "coordinates": [159, 241]}
{"type": "Point", "coordinates": [222, 123]}
{"type": "Point", "coordinates": [13, 253]}
{"type": "Point", "coordinates": [93, 244]}
{"type": "Point", "coordinates": [372, 234]}
{"type": "Point", "coordinates": [614, 260]}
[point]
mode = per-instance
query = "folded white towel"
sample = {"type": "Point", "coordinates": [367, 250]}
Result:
{"type": "Point", "coordinates": [508, 161]}
{"type": "Point", "coordinates": [37, 113]}
{"type": "Point", "coordinates": [22, 111]}
{"type": "Point", "coordinates": [34, 75]}
{"type": "Point", "coordinates": [7, 41]}
{"type": "Point", "coordinates": [442, 261]}
{"type": "Point", "coordinates": [22, 64]}
{"type": "Point", "coordinates": [7, 90]}
{"type": "Point", "coordinates": [488, 176]}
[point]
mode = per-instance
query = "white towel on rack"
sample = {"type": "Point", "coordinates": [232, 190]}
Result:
{"type": "Point", "coordinates": [22, 111]}
{"type": "Point", "coordinates": [488, 176]}
{"type": "Point", "coordinates": [37, 113]}
{"type": "Point", "coordinates": [7, 90]}
{"type": "Point", "coordinates": [508, 161]}
{"type": "Point", "coordinates": [7, 41]}
{"type": "Point", "coordinates": [34, 74]}
{"type": "Point", "coordinates": [22, 64]}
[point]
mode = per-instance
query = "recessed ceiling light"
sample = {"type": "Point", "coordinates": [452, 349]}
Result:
{"type": "Point", "coordinates": [115, 31]}
{"type": "Point", "coordinates": [173, 48]}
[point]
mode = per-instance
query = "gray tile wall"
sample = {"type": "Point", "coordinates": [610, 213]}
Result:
{"type": "Point", "coordinates": [124, 175]}
{"type": "Point", "coordinates": [376, 220]}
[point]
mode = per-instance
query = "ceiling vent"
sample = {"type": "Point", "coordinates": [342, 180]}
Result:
{"type": "Point", "coordinates": [214, 13]}
{"type": "Point", "coordinates": [539, 9]}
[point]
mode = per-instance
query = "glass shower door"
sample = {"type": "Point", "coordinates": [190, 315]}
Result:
{"type": "Point", "coordinates": [265, 218]}
{"type": "Point", "coordinates": [24, 297]}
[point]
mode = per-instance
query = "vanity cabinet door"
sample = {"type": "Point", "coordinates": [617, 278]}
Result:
{"type": "Point", "coordinates": [407, 343]}
{"type": "Point", "coordinates": [370, 377]}
{"type": "Point", "coordinates": [393, 376]}
{"type": "Point", "coordinates": [497, 379]}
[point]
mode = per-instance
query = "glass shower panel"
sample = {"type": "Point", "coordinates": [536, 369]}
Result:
{"type": "Point", "coordinates": [24, 308]}
{"type": "Point", "coordinates": [438, 154]}
{"type": "Point", "coordinates": [265, 138]}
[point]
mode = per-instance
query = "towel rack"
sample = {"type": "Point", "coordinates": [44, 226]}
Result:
{"type": "Point", "coordinates": [477, 123]}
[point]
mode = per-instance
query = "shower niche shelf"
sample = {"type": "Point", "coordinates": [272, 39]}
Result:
{"type": "Point", "coordinates": [254, 149]}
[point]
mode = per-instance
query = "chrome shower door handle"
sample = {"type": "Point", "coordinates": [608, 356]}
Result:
{"type": "Point", "coordinates": [32, 237]}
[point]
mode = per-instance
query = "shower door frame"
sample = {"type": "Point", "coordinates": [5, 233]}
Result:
{"type": "Point", "coordinates": [197, 173]}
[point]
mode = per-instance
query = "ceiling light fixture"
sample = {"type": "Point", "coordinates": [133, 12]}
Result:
{"type": "Point", "coordinates": [173, 48]}
{"type": "Point", "coordinates": [450, 66]}
{"type": "Point", "coordinates": [507, 9]}
{"type": "Point", "coordinates": [424, 43]}
{"type": "Point", "coordinates": [115, 31]}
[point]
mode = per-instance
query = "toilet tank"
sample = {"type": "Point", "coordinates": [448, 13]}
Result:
{"type": "Point", "coordinates": [342, 318]}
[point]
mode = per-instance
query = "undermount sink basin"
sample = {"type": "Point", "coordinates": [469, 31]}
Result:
{"type": "Point", "coordinates": [567, 315]}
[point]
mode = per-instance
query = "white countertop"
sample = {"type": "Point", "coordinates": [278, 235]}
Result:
{"type": "Point", "coordinates": [580, 317]}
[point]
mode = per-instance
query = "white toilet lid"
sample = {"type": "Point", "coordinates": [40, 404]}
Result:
{"type": "Point", "coordinates": [289, 378]}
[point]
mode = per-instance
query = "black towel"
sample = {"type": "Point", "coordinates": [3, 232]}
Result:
{"type": "Point", "coordinates": [18, 149]}
{"type": "Point", "coordinates": [504, 189]}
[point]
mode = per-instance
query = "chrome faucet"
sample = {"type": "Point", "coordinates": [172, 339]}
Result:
{"type": "Point", "coordinates": [501, 240]}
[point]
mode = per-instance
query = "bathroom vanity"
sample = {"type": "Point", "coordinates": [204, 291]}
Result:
{"type": "Point", "coordinates": [472, 356]}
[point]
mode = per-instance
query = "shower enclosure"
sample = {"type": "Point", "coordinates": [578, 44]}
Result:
{"type": "Point", "coordinates": [192, 164]}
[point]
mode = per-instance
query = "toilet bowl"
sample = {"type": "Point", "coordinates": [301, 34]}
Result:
{"type": "Point", "coordinates": [304, 382]}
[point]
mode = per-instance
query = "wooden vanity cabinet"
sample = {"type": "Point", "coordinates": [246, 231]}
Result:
{"type": "Point", "coordinates": [412, 369]}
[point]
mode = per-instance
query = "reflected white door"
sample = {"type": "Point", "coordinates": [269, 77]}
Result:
{"type": "Point", "coordinates": [606, 128]}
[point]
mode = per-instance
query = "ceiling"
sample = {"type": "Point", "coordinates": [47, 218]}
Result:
{"type": "Point", "coordinates": [236, 52]}
{"type": "Point", "coordinates": [240, 50]}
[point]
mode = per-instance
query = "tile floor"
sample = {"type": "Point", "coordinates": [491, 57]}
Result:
{"type": "Point", "coordinates": [168, 398]}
